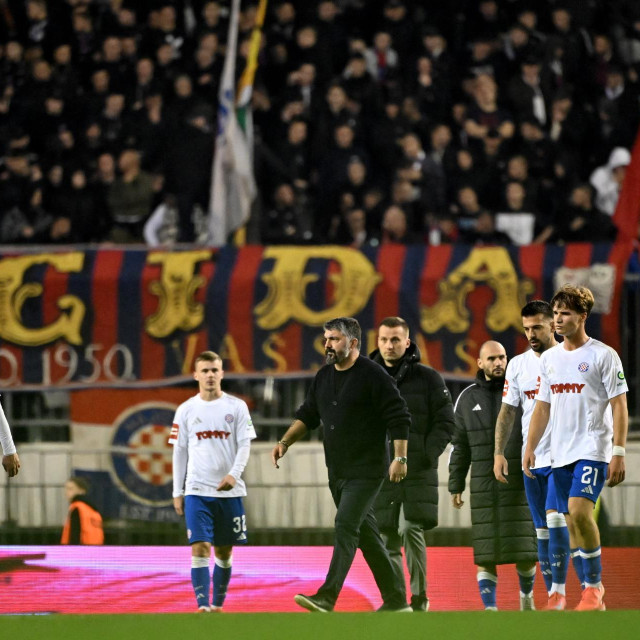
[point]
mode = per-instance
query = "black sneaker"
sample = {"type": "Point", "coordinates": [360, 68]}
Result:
{"type": "Point", "coordinates": [395, 608]}
{"type": "Point", "coordinates": [313, 603]}
{"type": "Point", "coordinates": [420, 603]}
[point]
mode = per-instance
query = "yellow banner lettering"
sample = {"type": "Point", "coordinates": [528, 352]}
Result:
{"type": "Point", "coordinates": [287, 282]}
{"type": "Point", "coordinates": [487, 265]}
{"type": "Point", "coordinates": [14, 293]}
{"type": "Point", "coordinates": [177, 309]}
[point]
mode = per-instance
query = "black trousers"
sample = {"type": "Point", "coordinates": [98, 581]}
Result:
{"type": "Point", "coordinates": [356, 526]}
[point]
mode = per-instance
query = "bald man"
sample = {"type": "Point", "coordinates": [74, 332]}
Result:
{"type": "Point", "coordinates": [501, 526]}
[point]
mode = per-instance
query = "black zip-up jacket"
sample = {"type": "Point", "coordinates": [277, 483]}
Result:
{"type": "Point", "coordinates": [432, 426]}
{"type": "Point", "coordinates": [501, 527]}
{"type": "Point", "coordinates": [357, 407]}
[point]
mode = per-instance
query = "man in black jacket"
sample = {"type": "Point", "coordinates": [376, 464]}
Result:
{"type": "Point", "coordinates": [501, 526]}
{"type": "Point", "coordinates": [404, 510]}
{"type": "Point", "coordinates": [358, 403]}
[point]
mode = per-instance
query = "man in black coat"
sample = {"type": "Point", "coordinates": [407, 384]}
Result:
{"type": "Point", "coordinates": [501, 526]}
{"type": "Point", "coordinates": [358, 403]}
{"type": "Point", "coordinates": [404, 510]}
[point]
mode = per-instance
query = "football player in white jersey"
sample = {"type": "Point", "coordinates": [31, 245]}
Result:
{"type": "Point", "coordinates": [520, 390]}
{"type": "Point", "coordinates": [211, 438]}
{"type": "Point", "coordinates": [582, 401]}
{"type": "Point", "coordinates": [10, 459]}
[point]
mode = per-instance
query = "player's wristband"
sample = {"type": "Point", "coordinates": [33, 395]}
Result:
{"type": "Point", "coordinates": [284, 442]}
{"type": "Point", "coordinates": [618, 450]}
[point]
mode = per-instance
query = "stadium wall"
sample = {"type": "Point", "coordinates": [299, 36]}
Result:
{"type": "Point", "coordinates": [292, 497]}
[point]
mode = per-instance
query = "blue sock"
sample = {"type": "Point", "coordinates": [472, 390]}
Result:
{"type": "Point", "coordinates": [526, 579]}
{"type": "Point", "coordinates": [200, 580]}
{"type": "Point", "coordinates": [487, 583]}
{"type": "Point", "coordinates": [592, 566]}
{"type": "Point", "coordinates": [543, 556]}
{"type": "Point", "coordinates": [576, 560]}
{"type": "Point", "coordinates": [558, 547]}
{"type": "Point", "coordinates": [221, 577]}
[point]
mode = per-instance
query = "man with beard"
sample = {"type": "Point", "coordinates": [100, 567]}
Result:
{"type": "Point", "coordinates": [358, 403]}
{"type": "Point", "coordinates": [405, 510]}
{"type": "Point", "coordinates": [501, 527]}
{"type": "Point", "coordinates": [520, 390]}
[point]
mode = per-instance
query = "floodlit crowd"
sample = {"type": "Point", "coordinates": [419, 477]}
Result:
{"type": "Point", "coordinates": [476, 121]}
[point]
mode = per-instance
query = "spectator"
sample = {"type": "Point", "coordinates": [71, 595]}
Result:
{"type": "Point", "coordinates": [333, 169]}
{"type": "Point", "coordinates": [618, 109]}
{"type": "Point", "coordinates": [426, 175]}
{"type": "Point", "coordinates": [568, 125]}
{"type": "Point", "coordinates": [357, 183]}
{"type": "Point", "coordinates": [431, 93]}
{"type": "Point", "coordinates": [41, 30]}
{"type": "Point", "coordinates": [442, 62]}
{"type": "Point", "coordinates": [441, 149]}
{"type": "Point", "coordinates": [518, 47]}
{"type": "Point", "coordinates": [361, 87]}
{"type": "Point", "coordinates": [483, 61]}
{"type": "Point", "coordinates": [526, 94]}
{"type": "Point", "coordinates": [467, 209]}
{"type": "Point", "coordinates": [357, 234]}
{"type": "Point", "coordinates": [582, 222]}
{"type": "Point", "coordinates": [574, 41]}
{"type": "Point", "coordinates": [382, 59]}
{"type": "Point", "coordinates": [307, 49]}
{"type": "Point", "coordinates": [335, 112]}
{"type": "Point", "coordinates": [165, 31]}
{"type": "Point", "coordinates": [535, 147]}
{"type": "Point", "coordinates": [332, 34]}
{"type": "Point", "coordinates": [186, 164]}
{"type": "Point", "coordinates": [162, 228]}
{"type": "Point", "coordinates": [465, 173]}
{"type": "Point", "coordinates": [79, 220]}
{"type": "Point", "coordinates": [206, 69]}
{"type": "Point", "coordinates": [283, 223]}
{"type": "Point", "coordinates": [303, 88]}
{"type": "Point", "coordinates": [398, 23]}
{"type": "Point", "coordinates": [483, 232]}
{"type": "Point", "coordinates": [395, 228]}
{"type": "Point", "coordinates": [485, 115]}
{"type": "Point", "coordinates": [23, 218]}
{"type": "Point", "coordinates": [211, 20]}
{"type": "Point", "coordinates": [144, 85]}
{"type": "Point", "coordinates": [295, 154]}
{"type": "Point", "coordinates": [112, 122]}
{"type": "Point", "coordinates": [384, 140]}
{"type": "Point", "coordinates": [518, 171]}
{"type": "Point", "coordinates": [517, 217]}
{"type": "Point", "coordinates": [129, 199]}
{"type": "Point", "coordinates": [607, 180]}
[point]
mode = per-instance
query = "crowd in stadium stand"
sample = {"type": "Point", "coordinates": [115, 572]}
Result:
{"type": "Point", "coordinates": [409, 121]}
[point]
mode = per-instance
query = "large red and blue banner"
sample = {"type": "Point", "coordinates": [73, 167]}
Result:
{"type": "Point", "coordinates": [116, 317]}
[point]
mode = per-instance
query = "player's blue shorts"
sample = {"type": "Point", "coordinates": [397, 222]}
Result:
{"type": "Point", "coordinates": [220, 521]}
{"type": "Point", "coordinates": [541, 495]}
{"type": "Point", "coordinates": [581, 479]}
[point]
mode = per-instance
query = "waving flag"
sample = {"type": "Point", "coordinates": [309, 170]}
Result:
{"type": "Point", "coordinates": [233, 187]}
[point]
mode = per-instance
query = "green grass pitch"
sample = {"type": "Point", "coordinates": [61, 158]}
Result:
{"type": "Point", "coordinates": [478, 625]}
